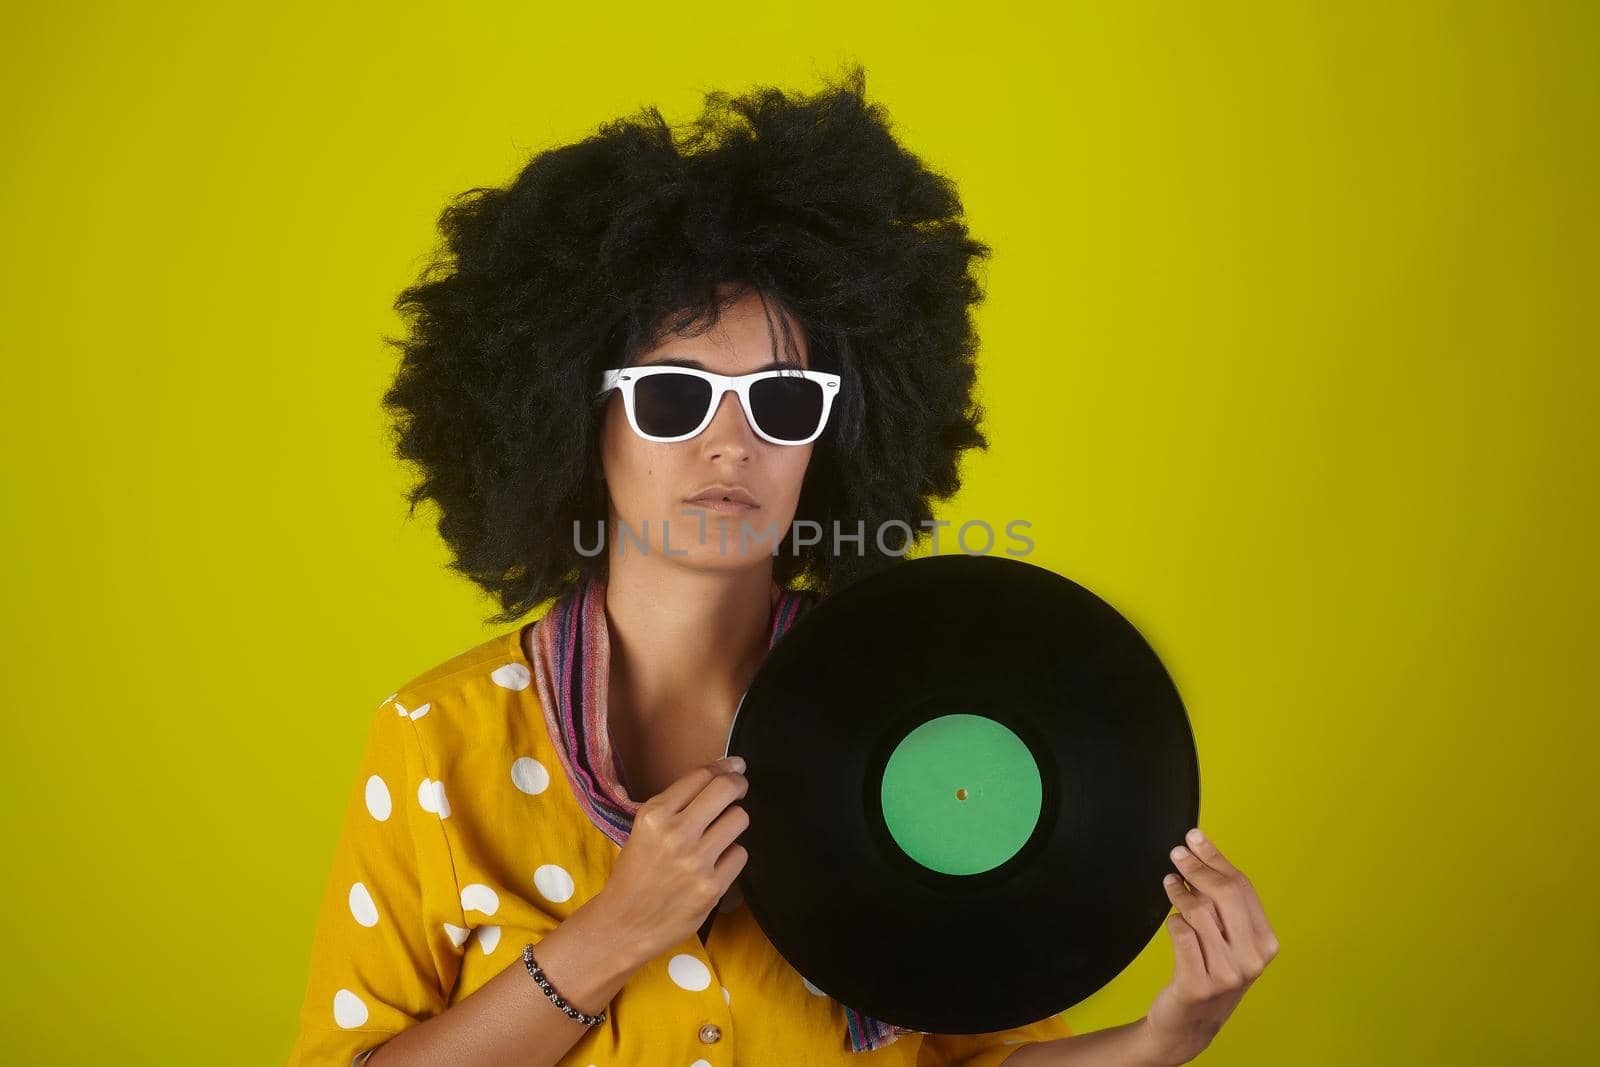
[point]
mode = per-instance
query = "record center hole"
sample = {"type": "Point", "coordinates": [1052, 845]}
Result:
{"type": "Point", "coordinates": [961, 794]}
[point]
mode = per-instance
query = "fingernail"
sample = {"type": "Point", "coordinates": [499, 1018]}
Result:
{"type": "Point", "coordinates": [1195, 836]}
{"type": "Point", "coordinates": [736, 763]}
{"type": "Point", "coordinates": [1169, 879]}
{"type": "Point", "coordinates": [1179, 853]}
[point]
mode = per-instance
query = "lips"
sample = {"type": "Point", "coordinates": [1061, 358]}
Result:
{"type": "Point", "coordinates": [732, 499]}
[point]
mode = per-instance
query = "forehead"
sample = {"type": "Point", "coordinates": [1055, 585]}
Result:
{"type": "Point", "coordinates": [743, 340]}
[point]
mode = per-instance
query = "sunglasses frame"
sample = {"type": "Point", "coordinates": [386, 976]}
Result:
{"type": "Point", "coordinates": [624, 378]}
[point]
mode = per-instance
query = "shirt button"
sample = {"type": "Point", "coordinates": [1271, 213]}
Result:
{"type": "Point", "coordinates": [710, 1033]}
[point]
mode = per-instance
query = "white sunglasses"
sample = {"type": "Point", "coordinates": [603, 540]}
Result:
{"type": "Point", "coordinates": [667, 403]}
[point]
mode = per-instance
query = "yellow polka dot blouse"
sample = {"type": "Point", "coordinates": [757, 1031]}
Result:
{"type": "Point", "coordinates": [463, 839]}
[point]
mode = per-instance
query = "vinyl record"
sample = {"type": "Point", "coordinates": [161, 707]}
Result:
{"type": "Point", "coordinates": [965, 774]}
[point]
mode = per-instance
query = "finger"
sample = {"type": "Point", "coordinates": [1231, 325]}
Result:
{"type": "Point", "coordinates": [675, 797]}
{"type": "Point", "coordinates": [1202, 878]}
{"type": "Point", "coordinates": [1228, 893]}
{"type": "Point", "coordinates": [1207, 852]}
{"type": "Point", "coordinates": [1189, 966]}
{"type": "Point", "coordinates": [1198, 912]}
{"type": "Point", "coordinates": [1213, 887]}
{"type": "Point", "coordinates": [723, 830]}
{"type": "Point", "coordinates": [713, 800]}
{"type": "Point", "coordinates": [1195, 872]}
{"type": "Point", "coordinates": [1250, 913]}
{"type": "Point", "coordinates": [1186, 900]}
{"type": "Point", "coordinates": [729, 864]}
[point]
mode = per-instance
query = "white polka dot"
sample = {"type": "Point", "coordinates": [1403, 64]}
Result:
{"type": "Point", "coordinates": [512, 676]}
{"type": "Point", "coordinates": [479, 897]}
{"type": "Point", "coordinates": [813, 990]}
{"type": "Point", "coordinates": [348, 1009]}
{"type": "Point", "coordinates": [688, 972]}
{"type": "Point", "coordinates": [457, 934]}
{"type": "Point", "coordinates": [530, 776]}
{"type": "Point", "coordinates": [700, 1063]}
{"type": "Point", "coordinates": [413, 715]}
{"type": "Point", "coordinates": [726, 999]}
{"type": "Point", "coordinates": [730, 900]}
{"type": "Point", "coordinates": [378, 803]}
{"type": "Point", "coordinates": [488, 938]}
{"type": "Point", "coordinates": [362, 907]}
{"type": "Point", "coordinates": [553, 883]}
{"type": "Point", "coordinates": [430, 794]}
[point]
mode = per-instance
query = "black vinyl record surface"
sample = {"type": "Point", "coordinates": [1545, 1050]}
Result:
{"type": "Point", "coordinates": [965, 775]}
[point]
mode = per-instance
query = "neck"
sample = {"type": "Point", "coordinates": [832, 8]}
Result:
{"type": "Point", "coordinates": [684, 643]}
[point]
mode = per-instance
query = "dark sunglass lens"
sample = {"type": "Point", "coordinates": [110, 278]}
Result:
{"type": "Point", "coordinates": [670, 405]}
{"type": "Point", "coordinates": [786, 407]}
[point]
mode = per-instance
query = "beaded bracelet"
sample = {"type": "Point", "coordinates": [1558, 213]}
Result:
{"type": "Point", "coordinates": [549, 990]}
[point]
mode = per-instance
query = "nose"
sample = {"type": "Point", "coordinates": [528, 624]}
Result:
{"type": "Point", "coordinates": [729, 436]}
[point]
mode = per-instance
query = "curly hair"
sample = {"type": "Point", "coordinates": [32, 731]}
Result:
{"type": "Point", "coordinates": [597, 249]}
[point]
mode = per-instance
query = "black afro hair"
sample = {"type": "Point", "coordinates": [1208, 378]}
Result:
{"type": "Point", "coordinates": [597, 248]}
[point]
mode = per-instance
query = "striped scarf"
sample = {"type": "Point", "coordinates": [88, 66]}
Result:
{"type": "Point", "coordinates": [572, 647]}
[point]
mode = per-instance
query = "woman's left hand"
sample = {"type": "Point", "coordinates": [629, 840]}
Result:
{"type": "Point", "coordinates": [1221, 943]}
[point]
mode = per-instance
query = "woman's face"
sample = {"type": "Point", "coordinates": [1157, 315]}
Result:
{"type": "Point", "coordinates": [652, 485]}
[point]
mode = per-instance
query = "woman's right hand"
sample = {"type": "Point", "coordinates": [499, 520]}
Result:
{"type": "Point", "coordinates": [680, 857]}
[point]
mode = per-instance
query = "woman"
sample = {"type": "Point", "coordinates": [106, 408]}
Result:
{"type": "Point", "coordinates": [634, 373]}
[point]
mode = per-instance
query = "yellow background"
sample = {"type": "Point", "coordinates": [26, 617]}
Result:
{"type": "Point", "coordinates": [1287, 354]}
